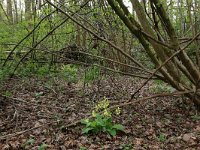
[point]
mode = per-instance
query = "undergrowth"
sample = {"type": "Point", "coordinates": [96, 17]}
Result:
{"type": "Point", "coordinates": [102, 120]}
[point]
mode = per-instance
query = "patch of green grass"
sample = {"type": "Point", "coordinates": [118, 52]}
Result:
{"type": "Point", "coordinates": [91, 74]}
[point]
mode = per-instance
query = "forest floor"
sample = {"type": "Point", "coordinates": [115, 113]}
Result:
{"type": "Point", "coordinates": [39, 110]}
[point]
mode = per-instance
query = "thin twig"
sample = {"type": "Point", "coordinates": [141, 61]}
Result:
{"type": "Point", "coordinates": [31, 103]}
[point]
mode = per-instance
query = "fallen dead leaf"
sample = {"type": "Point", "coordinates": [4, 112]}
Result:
{"type": "Point", "coordinates": [188, 137]}
{"type": "Point", "coordinates": [138, 141]}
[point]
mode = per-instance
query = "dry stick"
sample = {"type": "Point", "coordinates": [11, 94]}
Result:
{"type": "Point", "coordinates": [31, 103]}
{"type": "Point", "coordinates": [100, 38]}
{"type": "Point", "coordinates": [89, 117]}
{"type": "Point", "coordinates": [27, 36]}
{"type": "Point", "coordinates": [46, 37]}
{"type": "Point", "coordinates": [18, 133]}
{"type": "Point", "coordinates": [172, 56]}
{"type": "Point", "coordinates": [128, 102]}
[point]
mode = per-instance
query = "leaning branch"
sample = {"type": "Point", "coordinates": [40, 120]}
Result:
{"type": "Point", "coordinates": [172, 56]}
{"type": "Point", "coordinates": [100, 38]}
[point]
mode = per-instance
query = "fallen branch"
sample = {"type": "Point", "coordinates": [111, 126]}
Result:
{"type": "Point", "coordinates": [30, 103]}
{"type": "Point", "coordinates": [19, 133]}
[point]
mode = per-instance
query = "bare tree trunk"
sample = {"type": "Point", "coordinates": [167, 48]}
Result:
{"type": "Point", "coordinates": [39, 4]}
{"type": "Point", "coordinates": [195, 31]}
{"type": "Point", "coordinates": [9, 10]}
{"type": "Point", "coordinates": [27, 9]}
{"type": "Point", "coordinates": [16, 11]}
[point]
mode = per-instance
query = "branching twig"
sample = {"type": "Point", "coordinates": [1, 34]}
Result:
{"type": "Point", "coordinates": [19, 133]}
{"type": "Point", "coordinates": [31, 103]}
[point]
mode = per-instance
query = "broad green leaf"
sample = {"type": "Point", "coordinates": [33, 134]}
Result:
{"type": "Point", "coordinates": [93, 124]}
{"type": "Point", "coordinates": [43, 146]}
{"type": "Point", "coordinates": [118, 127]}
{"type": "Point", "coordinates": [112, 132]}
{"type": "Point", "coordinates": [85, 121]}
{"type": "Point", "coordinates": [86, 130]}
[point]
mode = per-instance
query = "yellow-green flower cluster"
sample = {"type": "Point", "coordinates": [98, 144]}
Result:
{"type": "Point", "coordinates": [104, 106]}
{"type": "Point", "coordinates": [117, 111]}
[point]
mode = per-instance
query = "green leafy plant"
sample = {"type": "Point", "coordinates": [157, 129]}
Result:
{"type": "Point", "coordinates": [30, 141]}
{"type": "Point", "coordinates": [26, 70]}
{"type": "Point", "coordinates": [91, 74]}
{"type": "Point", "coordinates": [82, 148]}
{"type": "Point", "coordinates": [162, 138]}
{"type": "Point", "coordinates": [43, 70]}
{"type": "Point", "coordinates": [69, 73]}
{"type": "Point", "coordinates": [102, 122]}
{"type": "Point", "coordinates": [7, 94]}
{"type": "Point", "coordinates": [42, 146]}
{"type": "Point", "coordinates": [4, 73]}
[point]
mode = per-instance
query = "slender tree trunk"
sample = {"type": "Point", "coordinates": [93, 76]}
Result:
{"type": "Point", "coordinates": [28, 9]}
{"type": "Point", "coordinates": [16, 11]}
{"type": "Point", "coordinates": [9, 10]}
{"type": "Point", "coordinates": [177, 67]}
